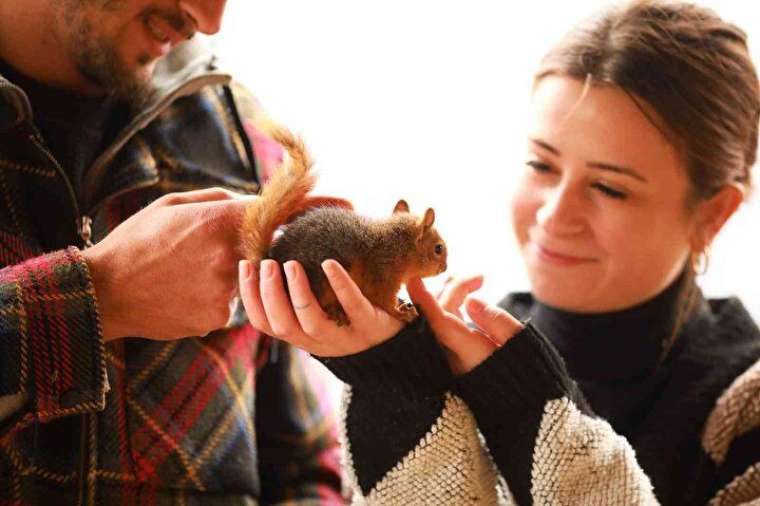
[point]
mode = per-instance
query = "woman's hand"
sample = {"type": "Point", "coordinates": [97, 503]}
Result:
{"type": "Point", "coordinates": [303, 323]}
{"type": "Point", "coordinates": [465, 347]}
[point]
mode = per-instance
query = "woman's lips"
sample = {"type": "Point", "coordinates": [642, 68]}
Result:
{"type": "Point", "coordinates": [561, 259]}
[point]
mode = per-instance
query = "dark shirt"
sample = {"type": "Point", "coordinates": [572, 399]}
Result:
{"type": "Point", "coordinates": [614, 356]}
{"type": "Point", "coordinates": [76, 128]}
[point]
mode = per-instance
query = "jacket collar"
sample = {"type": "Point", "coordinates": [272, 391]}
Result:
{"type": "Point", "coordinates": [188, 68]}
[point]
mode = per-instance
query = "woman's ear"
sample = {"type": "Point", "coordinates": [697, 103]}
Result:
{"type": "Point", "coordinates": [713, 213]}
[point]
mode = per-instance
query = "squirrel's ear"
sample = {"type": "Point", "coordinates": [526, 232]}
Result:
{"type": "Point", "coordinates": [401, 207]}
{"type": "Point", "coordinates": [428, 219]}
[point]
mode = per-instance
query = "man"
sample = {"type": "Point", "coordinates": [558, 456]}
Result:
{"type": "Point", "coordinates": [113, 128]}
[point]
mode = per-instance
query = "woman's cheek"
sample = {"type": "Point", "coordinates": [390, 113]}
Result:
{"type": "Point", "coordinates": [524, 205]}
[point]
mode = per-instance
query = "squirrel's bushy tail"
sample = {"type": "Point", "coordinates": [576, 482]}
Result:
{"type": "Point", "coordinates": [283, 196]}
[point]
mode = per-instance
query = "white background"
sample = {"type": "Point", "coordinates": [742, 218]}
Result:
{"type": "Point", "coordinates": [426, 100]}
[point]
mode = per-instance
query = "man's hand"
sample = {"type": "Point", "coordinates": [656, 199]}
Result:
{"type": "Point", "coordinates": [303, 323]}
{"type": "Point", "coordinates": [169, 271]}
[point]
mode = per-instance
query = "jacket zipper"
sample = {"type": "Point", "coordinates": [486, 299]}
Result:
{"type": "Point", "coordinates": [83, 222]}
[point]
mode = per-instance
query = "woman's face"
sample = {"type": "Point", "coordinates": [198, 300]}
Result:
{"type": "Point", "coordinates": [600, 210]}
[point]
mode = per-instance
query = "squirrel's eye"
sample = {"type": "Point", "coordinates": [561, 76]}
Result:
{"type": "Point", "coordinates": [438, 249]}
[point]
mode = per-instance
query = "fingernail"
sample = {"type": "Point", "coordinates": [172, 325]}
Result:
{"type": "Point", "coordinates": [245, 269]}
{"type": "Point", "coordinates": [267, 269]}
{"type": "Point", "coordinates": [290, 270]}
{"type": "Point", "coordinates": [329, 267]}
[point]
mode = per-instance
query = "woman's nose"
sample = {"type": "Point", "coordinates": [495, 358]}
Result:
{"type": "Point", "coordinates": [206, 13]}
{"type": "Point", "coordinates": [561, 212]}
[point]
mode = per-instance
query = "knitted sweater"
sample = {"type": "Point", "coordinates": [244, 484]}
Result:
{"type": "Point", "coordinates": [518, 429]}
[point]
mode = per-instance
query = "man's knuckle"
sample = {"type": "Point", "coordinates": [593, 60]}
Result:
{"type": "Point", "coordinates": [223, 258]}
{"type": "Point", "coordinates": [169, 199]}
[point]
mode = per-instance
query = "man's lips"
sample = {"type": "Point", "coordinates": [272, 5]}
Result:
{"type": "Point", "coordinates": [165, 32]}
{"type": "Point", "coordinates": [158, 29]}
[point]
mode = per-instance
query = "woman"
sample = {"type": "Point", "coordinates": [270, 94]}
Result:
{"type": "Point", "coordinates": [622, 384]}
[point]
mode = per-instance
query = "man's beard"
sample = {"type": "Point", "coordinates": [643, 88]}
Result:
{"type": "Point", "coordinates": [99, 62]}
{"type": "Point", "coordinates": [97, 58]}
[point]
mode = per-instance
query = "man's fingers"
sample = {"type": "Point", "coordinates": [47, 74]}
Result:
{"type": "Point", "coordinates": [497, 323]}
{"type": "Point", "coordinates": [248, 280]}
{"type": "Point", "coordinates": [322, 201]}
{"type": "Point", "coordinates": [356, 306]}
{"type": "Point", "coordinates": [223, 219]}
{"type": "Point", "coordinates": [312, 202]}
{"type": "Point", "coordinates": [305, 304]}
{"type": "Point", "coordinates": [454, 293]}
{"type": "Point", "coordinates": [194, 196]}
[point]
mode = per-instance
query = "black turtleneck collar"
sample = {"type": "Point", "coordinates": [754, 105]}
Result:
{"type": "Point", "coordinates": [611, 347]}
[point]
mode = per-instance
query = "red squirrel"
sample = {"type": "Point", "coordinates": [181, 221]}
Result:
{"type": "Point", "coordinates": [379, 254]}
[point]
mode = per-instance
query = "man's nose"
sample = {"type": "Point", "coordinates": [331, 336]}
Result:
{"type": "Point", "coordinates": [561, 213]}
{"type": "Point", "coordinates": [206, 13]}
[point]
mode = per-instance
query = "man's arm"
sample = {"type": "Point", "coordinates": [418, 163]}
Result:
{"type": "Point", "coordinates": [51, 348]}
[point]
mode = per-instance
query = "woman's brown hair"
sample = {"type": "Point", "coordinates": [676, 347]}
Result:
{"type": "Point", "coordinates": [689, 66]}
{"type": "Point", "coordinates": [694, 71]}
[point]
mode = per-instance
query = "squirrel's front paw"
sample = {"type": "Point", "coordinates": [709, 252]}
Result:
{"type": "Point", "coordinates": [405, 311]}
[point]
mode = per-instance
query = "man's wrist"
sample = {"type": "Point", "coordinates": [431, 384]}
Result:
{"type": "Point", "coordinates": [98, 274]}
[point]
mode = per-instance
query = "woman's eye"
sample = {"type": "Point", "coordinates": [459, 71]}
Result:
{"type": "Point", "coordinates": [539, 166]}
{"type": "Point", "coordinates": [610, 192]}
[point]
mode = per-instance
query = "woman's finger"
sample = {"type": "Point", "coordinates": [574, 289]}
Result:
{"type": "Point", "coordinates": [276, 302]}
{"type": "Point", "coordinates": [497, 323]}
{"type": "Point", "coordinates": [323, 201]}
{"type": "Point", "coordinates": [454, 293]}
{"type": "Point", "coordinates": [305, 305]}
{"type": "Point", "coordinates": [442, 289]}
{"type": "Point", "coordinates": [420, 296]}
{"type": "Point", "coordinates": [466, 347]}
{"type": "Point", "coordinates": [354, 303]}
{"type": "Point", "coordinates": [446, 327]}
{"type": "Point", "coordinates": [248, 280]}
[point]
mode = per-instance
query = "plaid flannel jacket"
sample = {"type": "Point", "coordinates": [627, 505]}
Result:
{"type": "Point", "coordinates": [232, 418]}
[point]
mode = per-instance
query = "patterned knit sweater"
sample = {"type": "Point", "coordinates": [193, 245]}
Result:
{"type": "Point", "coordinates": [518, 429]}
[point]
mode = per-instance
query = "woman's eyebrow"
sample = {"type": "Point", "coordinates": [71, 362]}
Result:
{"type": "Point", "coordinates": [545, 145]}
{"type": "Point", "coordinates": [617, 168]}
{"type": "Point", "coordinates": [620, 169]}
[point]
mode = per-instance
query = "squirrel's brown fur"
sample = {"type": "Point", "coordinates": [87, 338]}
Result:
{"type": "Point", "coordinates": [379, 254]}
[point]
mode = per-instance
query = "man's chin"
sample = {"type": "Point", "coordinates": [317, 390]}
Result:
{"type": "Point", "coordinates": [136, 88]}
